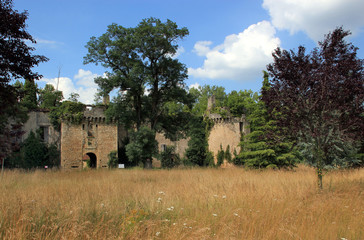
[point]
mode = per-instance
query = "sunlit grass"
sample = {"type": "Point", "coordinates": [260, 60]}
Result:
{"type": "Point", "coordinates": [181, 204]}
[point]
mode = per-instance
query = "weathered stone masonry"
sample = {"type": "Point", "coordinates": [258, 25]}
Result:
{"type": "Point", "coordinates": [91, 140]}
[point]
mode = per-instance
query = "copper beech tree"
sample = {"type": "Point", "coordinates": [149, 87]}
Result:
{"type": "Point", "coordinates": [317, 99]}
{"type": "Point", "coordinates": [16, 62]}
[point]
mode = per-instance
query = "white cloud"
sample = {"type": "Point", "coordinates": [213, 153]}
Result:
{"type": "Point", "coordinates": [241, 57]}
{"type": "Point", "coordinates": [201, 48]}
{"type": "Point", "coordinates": [195, 85]}
{"type": "Point", "coordinates": [83, 84]}
{"type": "Point", "coordinates": [46, 43]}
{"type": "Point", "coordinates": [316, 17]}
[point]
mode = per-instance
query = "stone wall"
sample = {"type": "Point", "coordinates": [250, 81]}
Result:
{"type": "Point", "coordinates": [40, 120]}
{"type": "Point", "coordinates": [226, 132]}
{"type": "Point", "coordinates": [93, 136]}
{"type": "Point", "coordinates": [180, 146]}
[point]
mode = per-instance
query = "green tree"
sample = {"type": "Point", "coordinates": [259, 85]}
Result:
{"type": "Point", "coordinates": [320, 98]}
{"type": "Point", "coordinates": [16, 62]}
{"type": "Point", "coordinates": [29, 100]}
{"type": "Point", "coordinates": [168, 157]}
{"type": "Point", "coordinates": [202, 94]}
{"type": "Point", "coordinates": [241, 102]}
{"type": "Point", "coordinates": [197, 151]}
{"type": "Point", "coordinates": [34, 153]}
{"type": "Point", "coordinates": [263, 147]}
{"type": "Point", "coordinates": [144, 71]}
{"type": "Point", "coordinates": [49, 97]}
{"type": "Point", "coordinates": [142, 146]}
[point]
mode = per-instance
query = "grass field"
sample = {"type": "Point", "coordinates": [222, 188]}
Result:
{"type": "Point", "coordinates": [181, 204]}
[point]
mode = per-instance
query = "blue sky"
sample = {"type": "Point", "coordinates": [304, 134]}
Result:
{"type": "Point", "coordinates": [229, 44]}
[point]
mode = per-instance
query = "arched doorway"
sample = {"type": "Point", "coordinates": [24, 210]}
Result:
{"type": "Point", "coordinates": [91, 160]}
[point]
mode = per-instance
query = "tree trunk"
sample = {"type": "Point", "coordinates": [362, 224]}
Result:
{"type": "Point", "coordinates": [319, 177]}
{"type": "Point", "coordinates": [148, 164]}
{"type": "Point", "coordinates": [2, 166]}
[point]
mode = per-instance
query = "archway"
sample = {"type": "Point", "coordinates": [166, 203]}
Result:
{"type": "Point", "coordinates": [91, 159]}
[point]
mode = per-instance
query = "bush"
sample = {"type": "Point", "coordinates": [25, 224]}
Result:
{"type": "Point", "coordinates": [113, 159]}
{"type": "Point", "coordinates": [142, 146]}
{"type": "Point", "coordinates": [220, 156]}
{"type": "Point", "coordinates": [169, 158]}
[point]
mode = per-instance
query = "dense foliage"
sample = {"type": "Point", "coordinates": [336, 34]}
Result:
{"type": "Point", "coordinates": [142, 146]}
{"type": "Point", "coordinates": [16, 62]}
{"type": "Point", "coordinates": [197, 152]}
{"type": "Point", "coordinates": [144, 71]}
{"type": "Point", "coordinates": [168, 158]}
{"type": "Point", "coordinates": [320, 99]}
{"type": "Point", "coordinates": [263, 147]}
{"type": "Point", "coordinates": [34, 153]}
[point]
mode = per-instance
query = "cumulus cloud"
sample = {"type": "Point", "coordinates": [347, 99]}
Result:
{"type": "Point", "coordinates": [82, 83]}
{"type": "Point", "coordinates": [241, 57]}
{"type": "Point", "coordinates": [316, 17]}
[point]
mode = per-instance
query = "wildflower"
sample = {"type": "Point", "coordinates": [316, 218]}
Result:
{"type": "Point", "coordinates": [174, 224]}
{"type": "Point", "coordinates": [163, 193]}
{"type": "Point", "coordinates": [224, 197]}
{"type": "Point", "coordinates": [216, 195]}
{"type": "Point", "coordinates": [159, 200]}
{"type": "Point", "coordinates": [102, 205]}
{"type": "Point", "coordinates": [184, 224]}
{"type": "Point", "coordinates": [214, 214]}
{"type": "Point", "coordinates": [167, 220]}
{"type": "Point", "coordinates": [157, 233]}
{"type": "Point", "coordinates": [236, 215]}
{"type": "Point", "coordinates": [344, 239]}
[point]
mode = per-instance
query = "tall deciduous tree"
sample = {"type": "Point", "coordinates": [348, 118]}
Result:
{"type": "Point", "coordinates": [319, 96]}
{"type": "Point", "coordinates": [142, 68]}
{"type": "Point", "coordinates": [16, 62]}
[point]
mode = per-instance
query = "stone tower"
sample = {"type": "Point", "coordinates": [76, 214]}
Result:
{"type": "Point", "coordinates": [89, 142]}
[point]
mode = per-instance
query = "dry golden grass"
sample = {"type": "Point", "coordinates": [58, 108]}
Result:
{"type": "Point", "coordinates": [193, 204]}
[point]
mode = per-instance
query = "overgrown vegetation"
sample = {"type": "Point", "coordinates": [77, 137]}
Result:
{"type": "Point", "coordinates": [34, 153]}
{"type": "Point", "coordinates": [168, 157]}
{"type": "Point", "coordinates": [181, 204]}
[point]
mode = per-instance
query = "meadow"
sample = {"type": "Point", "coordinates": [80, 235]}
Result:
{"type": "Point", "coordinates": [181, 204]}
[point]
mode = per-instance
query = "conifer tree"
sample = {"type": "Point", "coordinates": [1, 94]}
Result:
{"type": "Point", "coordinates": [262, 148]}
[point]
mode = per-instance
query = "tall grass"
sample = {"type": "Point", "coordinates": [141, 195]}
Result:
{"type": "Point", "coordinates": [181, 204]}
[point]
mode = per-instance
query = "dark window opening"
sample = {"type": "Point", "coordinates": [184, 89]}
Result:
{"type": "Point", "coordinates": [163, 147]}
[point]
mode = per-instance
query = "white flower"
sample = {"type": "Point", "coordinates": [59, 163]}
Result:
{"type": "Point", "coordinates": [163, 193]}
{"type": "Point", "coordinates": [102, 205]}
{"type": "Point", "coordinates": [157, 233]}
{"type": "Point", "coordinates": [216, 195]}
{"type": "Point", "coordinates": [159, 200]}
{"type": "Point", "coordinates": [214, 214]}
{"type": "Point", "coordinates": [236, 215]}
{"type": "Point", "coordinates": [224, 197]}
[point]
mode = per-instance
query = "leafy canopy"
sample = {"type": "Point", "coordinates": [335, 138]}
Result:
{"type": "Point", "coordinates": [320, 98]}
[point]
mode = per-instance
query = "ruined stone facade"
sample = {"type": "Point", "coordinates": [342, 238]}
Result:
{"type": "Point", "coordinates": [226, 132]}
{"type": "Point", "coordinates": [39, 121]}
{"type": "Point", "coordinates": [89, 142]}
